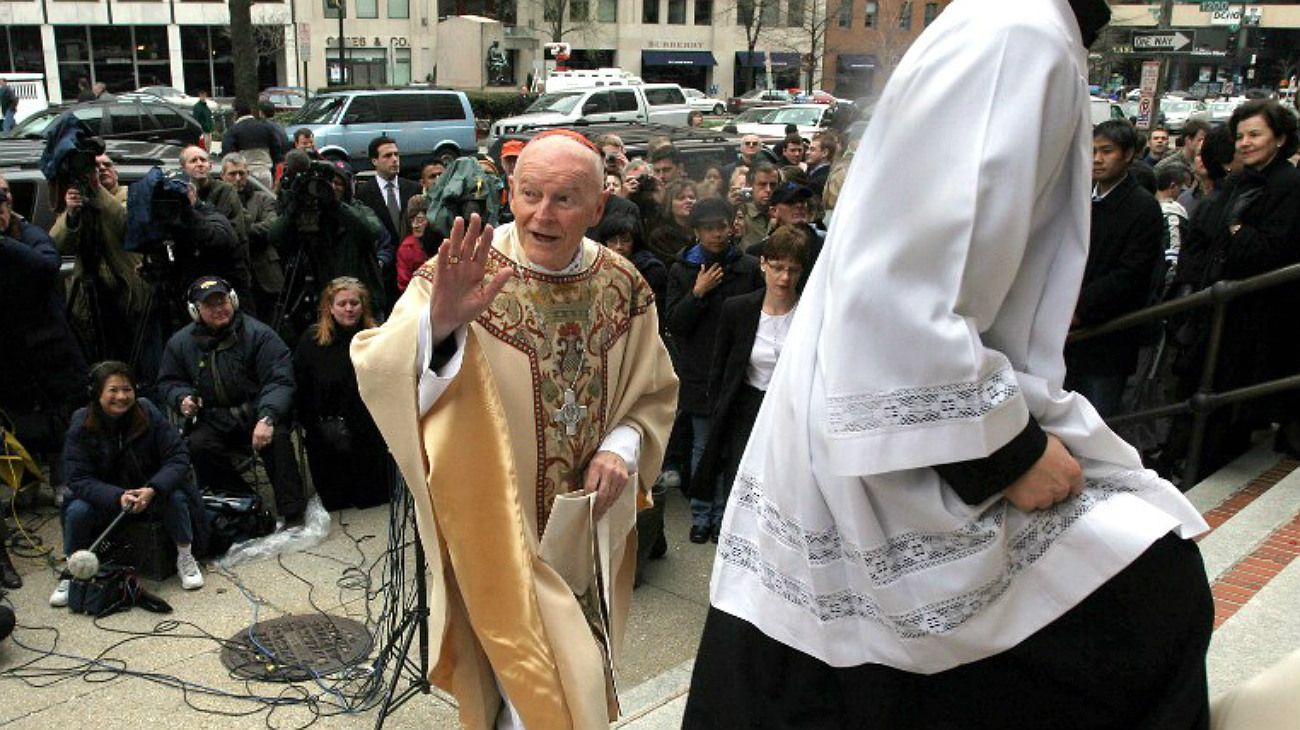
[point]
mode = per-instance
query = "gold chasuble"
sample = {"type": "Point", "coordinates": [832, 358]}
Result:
{"type": "Point", "coordinates": [554, 364]}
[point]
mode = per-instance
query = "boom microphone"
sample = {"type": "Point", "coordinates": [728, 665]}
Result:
{"type": "Point", "coordinates": [84, 564]}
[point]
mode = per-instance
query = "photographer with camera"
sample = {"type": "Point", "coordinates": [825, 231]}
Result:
{"type": "Point", "coordinates": [764, 179]}
{"type": "Point", "coordinates": [322, 233]}
{"type": "Point", "coordinates": [232, 377]}
{"type": "Point", "coordinates": [259, 213]}
{"type": "Point", "coordinates": [106, 293]}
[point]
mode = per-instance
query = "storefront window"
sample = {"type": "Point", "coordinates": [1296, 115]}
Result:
{"type": "Point", "coordinates": [20, 49]}
{"type": "Point", "coordinates": [206, 59]}
{"type": "Point", "coordinates": [677, 12]}
{"type": "Point", "coordinates": [703, 12]}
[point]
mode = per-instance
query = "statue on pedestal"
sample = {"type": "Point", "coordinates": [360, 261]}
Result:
{"type": "Point", "coordinates": [496, 65]}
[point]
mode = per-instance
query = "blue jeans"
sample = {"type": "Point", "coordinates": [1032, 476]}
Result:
{"type": "Point", "coordinates": [705, 512]}
{"type": "Point", "coordinates": [83, 521]}
{"type": "Point", "coordinates": [8, 123]}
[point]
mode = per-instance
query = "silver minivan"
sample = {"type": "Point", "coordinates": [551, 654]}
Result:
{"type": "Point", "coordinates": [427, 123]}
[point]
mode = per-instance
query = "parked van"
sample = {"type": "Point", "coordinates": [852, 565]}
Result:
{"type": "Point", "coordinates": [427, 124]}
{"type": "Point", "coordinates": [646, 103]}
{"type": "Point", "coordinates": [30, 89]}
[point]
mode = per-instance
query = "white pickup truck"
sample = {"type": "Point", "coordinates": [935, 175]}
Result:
{"type": "Point", "coordinates": [645, 103]}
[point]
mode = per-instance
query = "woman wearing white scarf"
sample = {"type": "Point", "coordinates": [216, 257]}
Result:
{"type": "Point", "coordinates": [889, 539]}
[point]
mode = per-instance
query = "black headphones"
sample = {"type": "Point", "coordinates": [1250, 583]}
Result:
{"type": "Point", "coordinates": [193, 308]}
{"type": "Point", "coordinates": [97, 376]}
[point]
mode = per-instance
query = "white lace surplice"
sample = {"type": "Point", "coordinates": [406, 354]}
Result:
{"type": "Point", "coordinates": [933, 325]}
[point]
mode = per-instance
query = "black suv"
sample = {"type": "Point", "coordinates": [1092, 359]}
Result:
{"type": "Point", "coordinates": [700, 148]}
{"type": "Point", "coordinates": [144, 120]}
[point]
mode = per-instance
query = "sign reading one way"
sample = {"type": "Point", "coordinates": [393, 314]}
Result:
{"type": "Point", "coordinates": [1167, 41]}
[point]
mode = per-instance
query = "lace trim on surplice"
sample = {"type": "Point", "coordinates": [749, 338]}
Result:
{"type": "Point", "coordinates": [906, 554]}
{"type": "Point", "coordinates": [863, 412]}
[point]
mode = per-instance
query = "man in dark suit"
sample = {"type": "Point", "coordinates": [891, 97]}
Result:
{"type": "Point", "coordinates": [387, 195]}
{"type": "Point", "coordinates": [1124, 250]}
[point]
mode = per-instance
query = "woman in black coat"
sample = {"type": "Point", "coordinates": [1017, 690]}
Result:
{"type": "Point", "coordinates": [751, 333]}
{"type": "Point", "coordinates": [347, 456]}
{"type": "Point", "coordinates": [123, 455]}
{"type": "Point", "coordinates": [1251, 227]}
{"type": "Point", "coordinates": [705, 276]}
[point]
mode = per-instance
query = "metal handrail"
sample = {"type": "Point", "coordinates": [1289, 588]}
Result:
{"type": "Point", "coordinates": [1218, 295]}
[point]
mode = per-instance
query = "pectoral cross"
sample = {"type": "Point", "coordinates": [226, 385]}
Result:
{"type": "Point", "coordinates": [569, 414]}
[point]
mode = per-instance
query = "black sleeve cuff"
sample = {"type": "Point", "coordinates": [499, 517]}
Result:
{"type": "Point", "coordinates": [442, 353]}
{"type": "Point", "coordinates": [978, 479]}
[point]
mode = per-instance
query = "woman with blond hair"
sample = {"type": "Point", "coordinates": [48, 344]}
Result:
{"type": "Point", "coordinates": [347, 456]}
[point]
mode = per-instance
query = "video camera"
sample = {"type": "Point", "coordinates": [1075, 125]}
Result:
{"type": "Point", "coordinates": [70, 152]}
{"type": "Point", "coordinates": [309, 189]}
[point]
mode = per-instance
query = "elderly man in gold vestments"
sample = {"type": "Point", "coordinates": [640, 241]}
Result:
{"type": "Point", "coordinates": [524, 365]}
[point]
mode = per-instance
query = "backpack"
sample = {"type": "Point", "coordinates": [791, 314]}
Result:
{"type": "Point", "coordinates": [464, 188]}
{"type": "Point", "coordinates": [233, 520]}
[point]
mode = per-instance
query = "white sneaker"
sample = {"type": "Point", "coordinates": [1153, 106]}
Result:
{"type": "Point", "coordinates": [671, 479]}
{"type": "Point", "coordinates": [59, 598]}
{"type": "Point", "coordinates": [191, 576]}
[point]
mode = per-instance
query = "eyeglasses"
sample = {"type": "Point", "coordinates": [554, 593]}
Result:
{"type": "Point", "coordinates": [750, 144]}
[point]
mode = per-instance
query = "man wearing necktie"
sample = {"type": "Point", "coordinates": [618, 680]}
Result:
{"type": "Point", "coordinates": [387, 195]}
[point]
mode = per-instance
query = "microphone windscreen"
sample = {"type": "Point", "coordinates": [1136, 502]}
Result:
{"type": "Point", "coordinates": [296, 161]}
{"type": "Point", "coordinates": [83, 565]}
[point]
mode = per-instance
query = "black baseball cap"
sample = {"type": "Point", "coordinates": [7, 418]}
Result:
{"type": "Point", "coordinates": [790, 192]}
{"type": "Point", "coordinates": [205, 286]}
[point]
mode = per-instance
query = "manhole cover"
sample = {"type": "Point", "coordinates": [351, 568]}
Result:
{"type": "Point", "coordinates": [296, 648]}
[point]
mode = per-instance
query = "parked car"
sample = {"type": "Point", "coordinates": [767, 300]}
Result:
{"type": "Point", "coordinates": [647, 103]}
{"type": "Point", "coordinates": [1176, 111]}
{"type": "Point", "coordinates": [1221, 109]}
{"type": "Point", "coordinates": [285, 98]}
{"type": "Point", "coordinates": [770, 124]}
{"type": "Point", "coordinates": [702, 102]}
{"type": "Point", "coordinates": [137, 119]}
{"type": "Point", "coordinates": [427, 123]}
{"type": "Point", "coordinates": [700, 148]}
{"type": "Point", "coordinates": [758, 98]}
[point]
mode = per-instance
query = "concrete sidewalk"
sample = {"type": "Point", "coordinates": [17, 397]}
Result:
{"type": "Point", "coordinates": [1254, 504]}
{"type": "Point", "coordinates": [341, 577]}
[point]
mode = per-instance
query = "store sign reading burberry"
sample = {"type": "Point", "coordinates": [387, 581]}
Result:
{"type": "Point", "coordinates": [676, 46]}
{"type": "Point", "coordinates": [363, 42]}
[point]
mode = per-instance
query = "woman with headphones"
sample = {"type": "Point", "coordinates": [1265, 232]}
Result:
{"type": "Point", "coordinates": [123, 455]}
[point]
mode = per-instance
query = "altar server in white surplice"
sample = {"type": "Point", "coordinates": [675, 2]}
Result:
{"type": "Point", "coordinates": [926, 531]}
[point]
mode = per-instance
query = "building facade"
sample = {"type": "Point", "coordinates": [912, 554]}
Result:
{"type": "Point", "coordinates": [127, 44]}
{"type": "Point", "coordinates": [1238, 47]}
{"type": "Point", "coordinates": [719, 46]}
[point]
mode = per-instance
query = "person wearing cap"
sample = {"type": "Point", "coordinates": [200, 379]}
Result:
{"type": "Point", "coordinates": [705, 275]}
{"type": "Point", "coordinates": [788, 206]}
{"type": "Point", "coordinates": [231, 377]}
{"type": "Point", "coordinates": [526, 396]}
{"type": "Point", "coordinates": [509, 158]}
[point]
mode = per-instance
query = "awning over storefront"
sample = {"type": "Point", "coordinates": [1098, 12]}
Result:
{"type": "Point", "coordinates": [677, 58]}
{"type": "Point", "coordinates": [779, 60]}
{"type": "Point", "coordinates": [856, 61]}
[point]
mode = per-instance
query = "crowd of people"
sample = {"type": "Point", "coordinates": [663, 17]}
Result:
{"type": "Point", "coordinates": [243, 326]}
